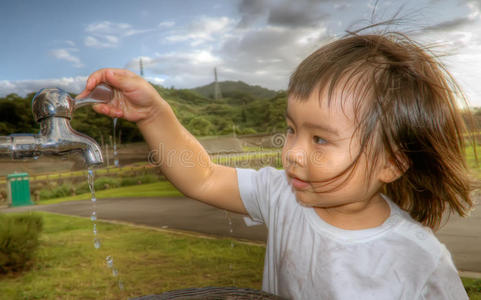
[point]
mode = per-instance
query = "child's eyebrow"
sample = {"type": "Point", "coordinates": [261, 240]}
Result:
{"type": "Point", "coordinates": [323, 127]}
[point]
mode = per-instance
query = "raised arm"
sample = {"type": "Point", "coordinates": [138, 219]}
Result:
{"type": "Point", "coordinates": [180, 156]}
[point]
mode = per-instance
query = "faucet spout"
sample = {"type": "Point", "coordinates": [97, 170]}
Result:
{"type": "Point", "coordinates": [56, 138]}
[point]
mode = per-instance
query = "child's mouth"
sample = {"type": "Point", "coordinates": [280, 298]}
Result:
{"type": "Point", "coordinates": [299, 184]}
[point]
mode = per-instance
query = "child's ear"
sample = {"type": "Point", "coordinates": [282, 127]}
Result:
{"type": "Point", "coordinates": [391, 171]}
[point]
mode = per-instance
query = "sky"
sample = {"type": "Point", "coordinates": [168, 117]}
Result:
{"type": "Point", "coordinates": [59, 43]}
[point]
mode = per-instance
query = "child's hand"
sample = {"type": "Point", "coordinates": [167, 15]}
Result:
{"type": "Point", "coordinates": [134, 98]}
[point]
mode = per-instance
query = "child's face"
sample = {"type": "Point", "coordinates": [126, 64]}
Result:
{"type": "Point", "coordinates": [321, 143]}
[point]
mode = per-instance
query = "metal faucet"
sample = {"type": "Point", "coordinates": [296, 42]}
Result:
{"type": "Point", "coordinates": [53, 108]}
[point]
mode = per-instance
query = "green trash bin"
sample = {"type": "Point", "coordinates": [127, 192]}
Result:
{"type": "Point", "coordinates": [18, 189]}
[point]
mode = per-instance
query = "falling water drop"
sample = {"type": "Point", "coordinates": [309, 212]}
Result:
{"type": "Point", "coordinates": [96, 243]}
{"type": "Point", "coordinates": [110, 261]}
{"type": "Point", "coordinates": [93, 217]}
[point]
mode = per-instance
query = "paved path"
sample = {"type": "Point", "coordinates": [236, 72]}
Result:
{"type": "Point", "coordinates": [176, 212]}
{"type": "Point", "coordinates": [461, 235]}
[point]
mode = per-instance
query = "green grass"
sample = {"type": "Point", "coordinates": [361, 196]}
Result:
{"type": "Point", "coordinates": [473, 286]}
{"type": "Point", "coordinates": [474, 165]}
{"type": "Point", "coordinates": [67, 266]}
{"type": "Point", "coordinates": [136, 167]}
{"type": "Point", "coordinates": [157, 189]}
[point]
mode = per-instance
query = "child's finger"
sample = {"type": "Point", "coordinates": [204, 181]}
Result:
{"type": "Point", "coordinates": [120, 79]}
{"type": "Point", "coordinates": [82, 94]}
{"type": "Point", "coordinates": [97, 77]}
{"type": "Point", "coordinates": [101, 109]}
{"type": "Point", "coordinates": [108, 110]}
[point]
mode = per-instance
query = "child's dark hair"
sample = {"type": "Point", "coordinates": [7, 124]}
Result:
{"type": "Point", "coordinates": [406, 100]}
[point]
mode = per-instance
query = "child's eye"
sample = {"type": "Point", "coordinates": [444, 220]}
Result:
{"type": "Point", "coordinates": [290, 130]}
{"type": "Point", "coordinates": [318, 140]}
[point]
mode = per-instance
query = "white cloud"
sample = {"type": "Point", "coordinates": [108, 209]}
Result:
{"type": "Point", "coordinates": [24, 87]}
{"type": "Point", "coordinates": [459, 45]}
{"type": "Point", "coordinates": [107, 27]}
{"type": "Point", "coordinates": [262, 55]}
{"type": "Point", "coordinates": [70, 43]}
{"type": "Point", "coordinates": [166, 24]}
{"type": "Point", "coordinates": [108, 34]}
{"type": "Point", "coordinates": [65, 54]}
{"type": "Point", "coordinates": [91, 41]}
{"type": "Point", "coordinates": [156, 80]}
{"type": "Point", "coordinates": [465, 63]}
{"type": "Point", "coordinates": [181, 69]}
{"type": "Point", "coordinates": [202, 30]}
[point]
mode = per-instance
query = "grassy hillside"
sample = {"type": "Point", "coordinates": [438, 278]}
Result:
{"type": "Point", "coordinates": [237, 109]}
{"type": "Point", "coordinates": [232, 89]}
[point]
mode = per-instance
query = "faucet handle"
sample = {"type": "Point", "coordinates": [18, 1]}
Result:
{"type": "Point", "coordinates": [102, 93]}
{"type": "Point", "coordinates": [55, 102]}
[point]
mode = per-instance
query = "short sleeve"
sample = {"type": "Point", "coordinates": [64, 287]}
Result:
{"type": "Point", "coordinates": [444, 282]}
{"type": "Point", "coordinates": [255, 191]}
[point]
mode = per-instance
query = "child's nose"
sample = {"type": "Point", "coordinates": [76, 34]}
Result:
{"type": "Point", "coordinates": [297, 156]}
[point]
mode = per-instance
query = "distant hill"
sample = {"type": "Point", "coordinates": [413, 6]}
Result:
{"type": "Point", "coordinates": [233, 88]}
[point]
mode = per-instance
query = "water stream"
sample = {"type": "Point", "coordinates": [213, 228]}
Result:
{"type": "Point", "coordinates": [231, 231]}
{"type": "Point", "coordinates": [93, 217]}
{"type": "Point", "coordinates": [116, 157]}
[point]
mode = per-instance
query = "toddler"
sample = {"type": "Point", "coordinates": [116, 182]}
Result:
{"type": "Point", "coordinates": [372, 161]}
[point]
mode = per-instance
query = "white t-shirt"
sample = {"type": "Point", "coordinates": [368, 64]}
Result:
{"type": "Point", "coordinates": [307, 258]}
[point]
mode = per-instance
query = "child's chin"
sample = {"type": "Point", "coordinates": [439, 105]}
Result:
{"type": "Point", "coordinates": [308, 202]}
{"type": "Point", "coordinates": [305, 201]}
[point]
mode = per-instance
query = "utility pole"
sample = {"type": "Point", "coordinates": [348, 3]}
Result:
{"type": "Point", "coordinates": [217, 92]}
{"type": "Point", "coordinates": [141, 66]}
